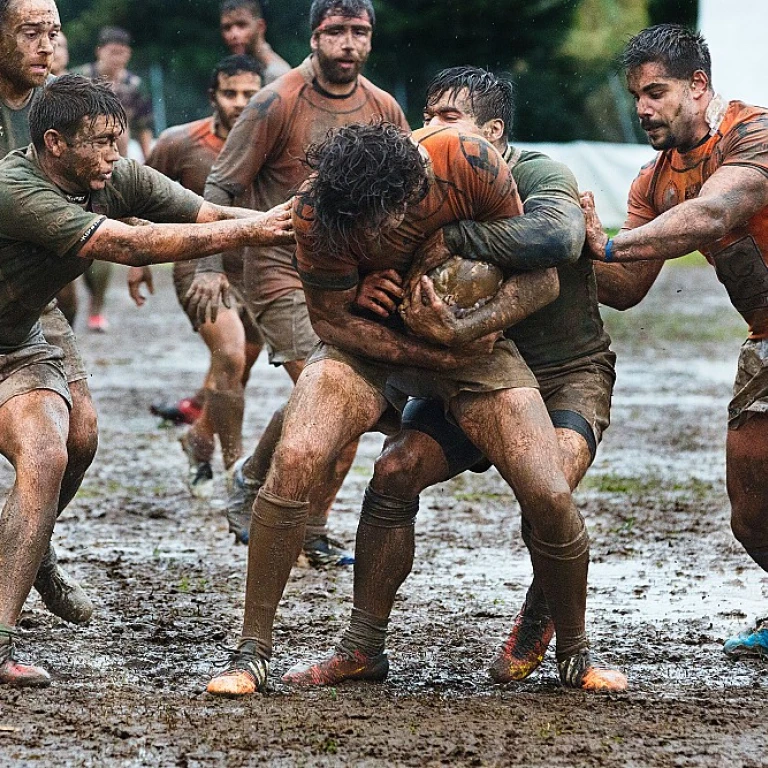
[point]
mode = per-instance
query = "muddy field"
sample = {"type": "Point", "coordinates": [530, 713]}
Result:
{"type": "Point", "coordinates": [668, 585]}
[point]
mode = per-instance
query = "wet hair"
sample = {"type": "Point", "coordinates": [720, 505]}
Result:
{"type": "Point", "coordinates": [117, 35]}
{"type": "Point", "coordinates": [234, 65]}
{"type": "Point", "coordinates": [364, 174]}
{"type": "Point", "coordinates": [67, 103]}
{"type": "Point", "coordinates": [252, 6]}
{"type": "Point", "coordinates": [4, 5]}
{"type": "Point", "coordinates": [490, 96]}
{"type": "Point", "coordinates": [320, 9]}
{"type": "Point", "coordinates": [679, 50]}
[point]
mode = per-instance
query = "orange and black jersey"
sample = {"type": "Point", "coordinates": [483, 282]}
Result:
{"type": "Point", "coordinates": [741, 257]}
{"type": "Point", "coordinates": [468, 180]}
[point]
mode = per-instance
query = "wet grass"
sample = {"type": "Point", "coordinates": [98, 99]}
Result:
{"type": "Point", "coordinates": [647, 484]}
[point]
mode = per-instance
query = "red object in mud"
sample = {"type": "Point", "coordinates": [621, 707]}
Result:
{"type": "Point", "coordinates": [186, 411]}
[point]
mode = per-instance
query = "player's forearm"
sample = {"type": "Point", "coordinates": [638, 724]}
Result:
{"type": "Point", "coordinates": [159, 243]}
{"type": "Point", "coordinates": [623, 286]}
{"type": "Point", "coordinates": [210, 212]}
{"type": "Point", "coordinates": [550, 233]}
{"type": "Point", "coordinates": [518, 298]}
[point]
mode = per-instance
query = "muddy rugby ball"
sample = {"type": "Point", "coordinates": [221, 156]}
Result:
{"type": "Point", "coordinates": [465, 285]}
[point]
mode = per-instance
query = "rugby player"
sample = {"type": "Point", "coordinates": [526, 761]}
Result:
{"type": "Point", "coordinates": [60, 199]}
{"type": "Point", "coordinates": [185, 154]}
{"type": "Point", "coordinates": [706, 190]}
{"type": "Point", "coordinates": [374, 199]}
{"type": "Point", "coordinates": [572, 362]}
{"type": "Point", "coordinates": [263, 162]}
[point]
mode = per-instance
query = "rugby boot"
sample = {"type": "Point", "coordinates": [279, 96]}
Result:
{"type": "Point", "coordinates": [322, 551]}
{"type": "Point", "coordinates": [12, 671]}
{"type": "Point", "coordinates": [62, 595]}
{"type": "Point", "coordinates": [245, 674]}
{"type": "Point", "coordinates": [200, 475]}
{"type": "Point", "coordinates": [587, 672]}
{"type": "Point", "coordinates": [186, 411]}
{"type": "Point", "coordinates": [752, 643]}
{"type": "Point", "coordinates": [240, 497]}
{"type": "Point", "coordinates": [338, 666]}
{"type": "Point", "coordinates": [523, 650]}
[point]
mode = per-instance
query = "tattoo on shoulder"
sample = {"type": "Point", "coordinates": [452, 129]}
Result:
{"type": "Point", "coordinates": [261, 105]}
{"type": "Point", "coordinates": [483, 162]}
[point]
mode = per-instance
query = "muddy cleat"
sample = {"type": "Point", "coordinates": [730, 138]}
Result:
{"type": "Point", "coordinates": [200, 476]}
{"type": "Point", "coordinates": [586, 671]}
{"type": "Point", "coordinates": [13, 672]}
{"type": "Point", "coordinates": [338, 666]}
{"type": "Point", "coordinates": [240, 498]}
{"type": "Point", "coordinates": [62, 595]}
{"type": "Point", "coordinates": [523, 651]}
{"type": "Point", "coordinates": [324, 551]}
{"type": "Point", "coordinates": [186, 411]}
{"type": "Point", "coordinates": [246, 673]}
{"type": "Point", "coordinates": [98, 323]}
{"type": "Point", "coordinates": [753, 643]}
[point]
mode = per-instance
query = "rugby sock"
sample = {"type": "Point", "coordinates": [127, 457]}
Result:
{"type": "Point", "coordinates": [562, 570]}
{"type": "Point", "coordinates": [535, 599]}
{"type": "Point", "coordinates": [225, 410]}
{"type": "Point", "coordinates": [383, 553]}
{"type": "Point", "coordinates": [256, 467]}
{"type": "Point", "coordinates": [276, 536]}
{"type": "Point", "coordinates": [366, 633]}
{"type": "Point", "coordinates": [316, 527]}
{"type": "Point", "coordinates": [760, 556]}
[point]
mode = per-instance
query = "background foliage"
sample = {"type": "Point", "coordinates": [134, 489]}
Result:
{"type": "Point", "coordinates": [561, 53]}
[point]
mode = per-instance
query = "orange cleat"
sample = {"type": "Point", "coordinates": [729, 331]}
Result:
{"type": "Point", "coordinates": [523, 651]}
{"type": "Point", "coordinates": [13, 672]}
{"type": "Point", "coordinates": [246, 674]}
{"type": "Point", "coordinates": [337, 667]}
{"type": "Point", "coordinates": [586, 671]}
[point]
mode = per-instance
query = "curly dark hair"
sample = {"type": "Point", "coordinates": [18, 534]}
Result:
{"type": "Point", "coordinates": [679, 50]}
{"type": "Point", "coordinates": [364, 174]}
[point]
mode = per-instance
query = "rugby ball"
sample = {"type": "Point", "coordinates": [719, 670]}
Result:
{"type": "Point", "coordinates": [465, 285]}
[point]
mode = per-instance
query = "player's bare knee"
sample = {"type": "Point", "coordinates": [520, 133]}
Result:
{"type": "Point", "coordinates": [553, 516]}
{"type": "Point", "coordinates": [750, 525]}
{"type": "Point", "coordinates": [297, 466]}
{"type": "Point", "coordinates": [228, 364]}
{"type": "Point", "coordinates": [399, 472]}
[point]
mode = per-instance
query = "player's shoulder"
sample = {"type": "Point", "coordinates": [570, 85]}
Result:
{"type": "Point", "coordinates": [447, 144]}
{"type": "Point", "coordinates": [740, 117]}
{"type": "Point", "coordinates": [378, 93]}
{"type": "Point", "coordinates": [186, 133]}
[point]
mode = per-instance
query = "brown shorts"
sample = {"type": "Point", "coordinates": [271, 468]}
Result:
{"type": "Point", "coordinates": [35, 364]}
{"type": "Point", "coordinates": [284, 324]}
{"type": "Point", "coordinates": [583, 386]}
{"type": "Point", "coordinates": [750, 389]}
{"type": "Point", "coordinates": [504, 368]}
{"type": "Point", "coordinates": [184, 273]}
{"type": "Point", "coordinates": [59, 333]}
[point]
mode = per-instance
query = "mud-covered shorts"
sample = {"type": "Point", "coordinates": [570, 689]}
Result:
{"type": "Point", "coordinates": [750, 389]}
{"type": "Point", "coordinates": [576, 394]}
{"type": "Point", "coordinates": [184, 273]}
{"type": "Point", "coordinates": [284, 323]}
{"type": "Point", "coordinates": [504, 368]}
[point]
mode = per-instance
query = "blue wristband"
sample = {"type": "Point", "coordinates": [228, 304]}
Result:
{"type": "Point", "coordinates": [609, 251]}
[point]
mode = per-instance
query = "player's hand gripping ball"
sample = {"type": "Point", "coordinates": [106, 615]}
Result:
{"type": "Point", "coordinates": [465, 285]}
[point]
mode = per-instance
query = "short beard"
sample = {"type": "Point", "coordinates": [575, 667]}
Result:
{"type": "Point", "coordinates": [335, 76]}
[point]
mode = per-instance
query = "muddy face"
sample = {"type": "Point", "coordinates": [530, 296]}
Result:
{"type": "Point", "coordinates": [239, 29]}
{"type": "Point", "coordinates": [232, 95]}
{"type": "Point", "coordinates": [90, 157]}
{"type": "Point", "coordinates": [27, 42]}
{"type": "Point", "coordinates": [342, 46]}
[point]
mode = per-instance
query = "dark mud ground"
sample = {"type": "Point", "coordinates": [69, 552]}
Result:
{"type": "Point", "coordinates": [668, 584]}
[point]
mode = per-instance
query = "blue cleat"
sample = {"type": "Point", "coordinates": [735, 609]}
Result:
{"type": "Point", "coordinates": [752, 643]}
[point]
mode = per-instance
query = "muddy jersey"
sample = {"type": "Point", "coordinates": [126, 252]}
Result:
{"type": "Point", "coordinates": [570, 327]}
{"type": "Point", "coordinates": [186, 153]}
{"type": "Point", "coordinates": [468, 179]}
{"type": "Point", "coordinates": [14, 125]}
{"type": "Point", "coordinates": [741, 257]}
{"type": "Point", "coordinates": [42, 230]}
{"type": "Point", "coordinates": [262, 163]}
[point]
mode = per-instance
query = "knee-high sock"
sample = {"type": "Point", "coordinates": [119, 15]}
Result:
{"type": "Point", "coordinates": [562, 571]}
{"type": "Point", "coordinates": [383, 559]}
{"type": "Point", "coordinates": [535, 599]}
{"type": "Point", "coordinates": [225, 410]}
{"type": "Point", "coordinates": [277, 533]}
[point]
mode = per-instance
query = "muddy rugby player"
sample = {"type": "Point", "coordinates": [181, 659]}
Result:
{"type": "Point", "coordinates": [185, 153]}
{"type": "Point", "coordinates": [59, 201]}
{"type": "Point", "coordinates": [572, 362]}
{"type": "Point", "coordinates": [374, 199]}
{"type": "Point", "coordinates": [263, 159]}
{"type": "Point", "coordinates": [29, 32]}
{"type": "Point", "coordinates": [708, 190]}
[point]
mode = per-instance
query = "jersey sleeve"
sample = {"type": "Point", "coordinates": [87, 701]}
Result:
{"type": "Point", "coordinates": [746, 144]}
{"type": "Point", "coordinates": [150, 195]}
{"type": "Point", "coordinates": [640, 208]}
{"type": "Point", "coordinates": [39, 215]}
{"type": "Point", "coordinates": [248, 146]}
